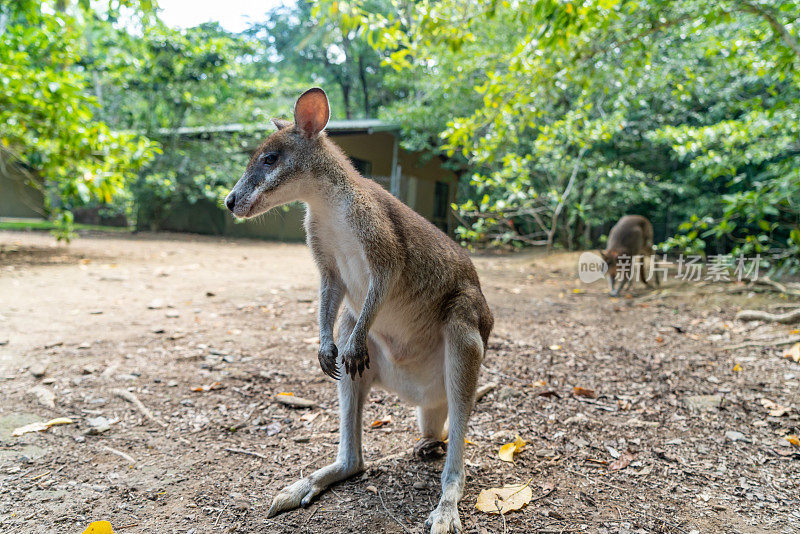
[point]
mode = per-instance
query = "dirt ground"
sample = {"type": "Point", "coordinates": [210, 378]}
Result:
{"type": "Point", "coordinates": [162, 315]}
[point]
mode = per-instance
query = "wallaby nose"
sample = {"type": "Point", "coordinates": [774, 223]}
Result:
{"type": "Point", "coordinates": [230, 201]}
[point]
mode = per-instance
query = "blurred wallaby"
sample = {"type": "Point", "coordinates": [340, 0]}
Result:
{"type": "Point", "coordinates": [632, 236]}
{"type": "Point", "coordinates": [415, 320]}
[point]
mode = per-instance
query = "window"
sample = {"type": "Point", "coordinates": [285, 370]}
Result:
{"type": "Point", "coordinates": [441, 200]}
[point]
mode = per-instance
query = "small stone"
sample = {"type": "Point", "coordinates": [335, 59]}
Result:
{"type": "Point", "coordinates": [546, 453]}
{"type": "Point", "coordinates": [172, 314]}
{"type": "Point", "coordinates": [38, 369]}
{"type": "Point", "coordinates": [44, 396]}
{"type": "Point", "coordinates": [98, 425]}
{"type": "Point", "coordinates": [420, 485]}
{"type": "Point", "coordinates": [294, 401]}
{"type": "Point", "coordinates": [733, 435]}
{"type": "Point", "coordinates": [373, 489]}
{"type": "Point", "coordinates": [274, 428]}
{"type": "Point", "coordinates": [703, 402]}
{"type": "Point", "coordinates": [156, 304]}
{"type": "Point", "coordinates": [507, 393]}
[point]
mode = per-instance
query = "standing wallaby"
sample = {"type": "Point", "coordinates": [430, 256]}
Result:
{"type": "Point", "coordinates": [415, 320]}
{"type": "Point", "coordinates": [631, 237]}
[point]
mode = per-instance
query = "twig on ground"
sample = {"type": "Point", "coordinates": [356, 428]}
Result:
{"type": "Point", "coordinates": [248, 453]}
{"type": "Point", "coordinates": [121, 454]}
{"type": "Point", "coordinates": [544, 495]}
{"type": "Point", "coordinates": [771, 343]}
{"type": "Point", "coordinates": [405, 529]}
{"type": "Point", "coordinates": [395, 456]}
{"type": "Point", "coordinates": [312, 514]}
{"type": "Point", "coordinates": [758, 315]}
{"type": "Point", "coordinates": [483, 390]}
{"type": "Point", "coordinates": [133, 399]}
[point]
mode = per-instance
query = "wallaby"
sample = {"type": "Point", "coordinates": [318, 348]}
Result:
{"type": "Point", "coordinates": [631, 237]}
{"type": "Point", "coordinates": [415, 320]}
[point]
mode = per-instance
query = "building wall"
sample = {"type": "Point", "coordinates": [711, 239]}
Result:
{"type": "Point", "coordinates": [17, 199]}
{"type": "Point", "coordinates": [417, 189]}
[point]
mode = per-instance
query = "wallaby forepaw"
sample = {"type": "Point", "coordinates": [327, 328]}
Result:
{"type": "Point", "coordinates": [327, 361]}
{"type": "Point", "coordinates": [301, 493]}
{"type": "Point", "coordinates": [356, 360]}
{"type": "Point", "coordinates": [445, 520]}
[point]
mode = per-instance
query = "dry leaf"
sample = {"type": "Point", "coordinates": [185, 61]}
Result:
{"type": "Point", "coordinates": [308, 417]}
{"type": "Point", "coordinates": [578, 290]}
{"type": "Point", "coordinates": [596, 461]}
{"type": "Point", "coordinates": [622, 462]}
{"type": "Point", "coordinates": [555, 347]}
{"type": "Point", "coordinates": [505, 499]}
{"type": "Point", "coordinates": [793, 353]}
{"type": "Point", "coordinates": [382, 421]}
{"type": "Point", "coordinates": [660, 339]}
{"type": "Point", "coordinates": [507, 451]}
{"type": "Point", "coordinates": [737, 368]}
{"type": "Point", "coordinates": [775, 409]}
{"type": "Point", "coordinates": [208, 387]}
{"type": "Point", "coordinates": [793, 439]}
{"type": "Point", "coordinates": [99, 527]}
{"type": "Point", "coordinates": [539, 384]}
{"type": "Point", "coordinates": [40, 427]}
{"type": "Point", "coordinates": [583, 392]}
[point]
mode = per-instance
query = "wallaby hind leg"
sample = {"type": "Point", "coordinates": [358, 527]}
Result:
{"type": "Point", "coordinates": [431, 426]}
{"type": "Point", "coordinates": [349, 460]}
{"type": "Point", "coordinates": [463, 355]}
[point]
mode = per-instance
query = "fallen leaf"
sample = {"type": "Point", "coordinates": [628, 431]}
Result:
{"type": "Point", "coordinates": [382, 421]}
{"type": "Point", "coordinates": [795, 331]}
{"type": "Point", "coordinates": [539, 384]}
{"type": "Point", "coordinates": [793, 353]}
{"type": "Point", "coordinates": [596, 461]}
{"type": "Point", "coordinates": [549, 393]}
{"type": "Point", "coordinates": [622, 462]}
{"type": "Point", "coordinates": [208, 387]}
{"type": "Point", "coordinates": [737, 368]}
{"type": "Point", "coordinates": [99, 527]}
{"type": "Point", "coordinates": [507, 451]}
{"type": "Point", "coordinates": [41, 427]}
{"type": "Point", "coordinates": [659, 339]}
{"type": "Point", "coordinates": [793, 439]}
{"type": "Point", "coordinates": [555, 347]}
{"type": "Point", "coordinates": [308, 417]}
{"type": "Point", "coordinates": [578, 291]}
{"type": "Point", "coordinates": [505, 499]}
{"type": "Point", "coordinates": [373, 489]}
{"type": "Point", "coordinates": [775, 409]}
{"type": "Point", "coordinates": [583, 392]}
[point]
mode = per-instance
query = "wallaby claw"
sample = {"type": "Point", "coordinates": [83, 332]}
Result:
{"type": "Point", "coordinates": [356, 361]}
{"type": "Point", "coordinates": [327, 361]}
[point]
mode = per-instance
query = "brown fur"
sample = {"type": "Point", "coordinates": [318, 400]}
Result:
{"type": "Point", "coordinates": [631, 236]}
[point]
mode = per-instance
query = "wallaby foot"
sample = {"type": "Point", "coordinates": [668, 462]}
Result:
{"type": "Point", "coordinates": [444, 518]}
{"type": "Point", "coordinates": [302, 492]}
{"type": "Point", "coordinates": [429, 449]}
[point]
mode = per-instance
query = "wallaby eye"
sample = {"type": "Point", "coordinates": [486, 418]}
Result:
{"type": "Point", "coordinates": [270, 158]}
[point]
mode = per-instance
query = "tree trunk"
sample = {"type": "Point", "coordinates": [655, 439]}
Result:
{"type": "Point", "coordinates": [362, 73]}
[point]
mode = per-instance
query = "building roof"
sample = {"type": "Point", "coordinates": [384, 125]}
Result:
{"type": "Point", "coordinates": [334, 127]}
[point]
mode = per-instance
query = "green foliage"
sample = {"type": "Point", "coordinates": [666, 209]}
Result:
{"type": "Point", "coordinates": [47, 110]}
{"type": "Point", "coordinates": [679, 110]}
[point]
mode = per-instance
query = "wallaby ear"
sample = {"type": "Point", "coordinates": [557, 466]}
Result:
{"type": "Point", "coordinates": [280, 124]}
{"type": "Point", "coordinates": [311, 112]}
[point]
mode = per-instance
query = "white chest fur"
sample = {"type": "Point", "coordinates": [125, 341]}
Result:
{"type": "Point", "coordinates": [339, 242]}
